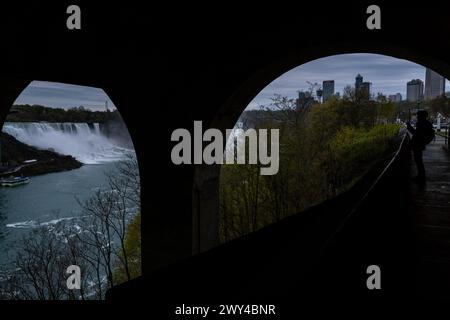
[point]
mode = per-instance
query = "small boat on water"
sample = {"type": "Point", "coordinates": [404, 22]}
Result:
{"type": "Point", "coordinates": [14, 181]}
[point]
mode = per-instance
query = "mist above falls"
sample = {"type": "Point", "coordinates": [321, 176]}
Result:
{"type": "Point", "coordinates": [84, 142]}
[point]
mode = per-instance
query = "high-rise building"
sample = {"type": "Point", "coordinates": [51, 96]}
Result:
{"type": "Point", "coordinates": [305, 99]}
{"type": "Point", "coordinates": [414, 90]}
{"type": "Point", "coordinates": [365, 89]}
{"type": "Point", "coordinates": [434, 84]}
{"type": "Point", "coordinates": [395, 97]}
{"type": "Point", "coordinates": [358, 81]}
{"type": "Point", "coordinates": [328, 89]}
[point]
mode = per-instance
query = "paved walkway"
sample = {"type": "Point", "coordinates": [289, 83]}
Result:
{"type": "Point", "coordinates": [431, 207]}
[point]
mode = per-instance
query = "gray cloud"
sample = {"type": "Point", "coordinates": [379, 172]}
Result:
{"type": "Point", "coordinates": [388, 75]}
{"type": "Point", "coordinates": [61, 95]}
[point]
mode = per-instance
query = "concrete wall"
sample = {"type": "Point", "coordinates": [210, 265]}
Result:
{"type": "Point", "coordinates": [166, 67]}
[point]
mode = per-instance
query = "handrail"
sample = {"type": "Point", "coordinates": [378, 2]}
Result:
{"type": "Point", "coordinates": [446, 136]}
{"type": "Point", "coordinates": [361, 201]}
{"type": "Point", "coordinates": [264, 247]}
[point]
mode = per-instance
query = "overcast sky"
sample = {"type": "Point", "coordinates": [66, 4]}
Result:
{"type": "Point", "coordinates": [61, 95]}
{"type": "Point", "coordinates": [388, 75]}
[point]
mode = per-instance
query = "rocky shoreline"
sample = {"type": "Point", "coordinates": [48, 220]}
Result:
{"type": "Point", "coordinates": [15, 154]}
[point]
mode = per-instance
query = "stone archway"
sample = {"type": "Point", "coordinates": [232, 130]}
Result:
{"type": "Point", "coordinates": [206, 178]}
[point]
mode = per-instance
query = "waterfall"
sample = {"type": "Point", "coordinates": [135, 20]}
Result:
{"type": "Point", "coordinates": [87, 144]}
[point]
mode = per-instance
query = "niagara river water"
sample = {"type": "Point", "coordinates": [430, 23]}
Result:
{"type": "Point", "coordinates": [50, 198]}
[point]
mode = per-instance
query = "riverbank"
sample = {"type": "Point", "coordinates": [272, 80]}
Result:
{"type": "Point", "coordinates": [14, 154]}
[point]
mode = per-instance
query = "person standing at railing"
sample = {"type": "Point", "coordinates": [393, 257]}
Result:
{"type": "Point", "coordinates": [422, 135]}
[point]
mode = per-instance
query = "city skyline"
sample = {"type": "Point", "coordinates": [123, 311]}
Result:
{"type": "Point", "coordinates": [387, 75]}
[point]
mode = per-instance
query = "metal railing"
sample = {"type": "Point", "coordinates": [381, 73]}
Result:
{"type": "Point", "coordinates": [446, 136]}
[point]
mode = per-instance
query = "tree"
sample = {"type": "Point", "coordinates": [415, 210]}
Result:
{"type": "Point", "coordinates": [324, 149]}
{"type": "Point", "coordinates": [133, 250]}
{"type": "Point", "coordinates": [104, 242]}
{"type": "Point", "coordinates": [441, 105]}
{"type": "Point", "coordinates": [386, 110]}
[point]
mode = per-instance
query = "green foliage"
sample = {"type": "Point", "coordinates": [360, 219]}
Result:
{"type": "Point", "coordinates": [353, 150]}
{"type": "Point", "coordinates": [133, 251]}
{"type": "Point", "coordinates": [441, 104]}
{"type": "Point", "coordinates": [323, 150]}
{"type": "Point", "coordinates": [386, 111]}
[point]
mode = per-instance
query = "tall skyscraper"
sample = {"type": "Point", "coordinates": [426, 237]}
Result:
{"type": "Point", "coordinates": [365, 89]}
{"type": "Point", "coordinates": [434, 84]}
{"type": "Point", "coordinates": [414, 90]}
{"type": "Point", "coordinates": [358, 81]}
{"type": "Point", "coordinates": [328, 89]}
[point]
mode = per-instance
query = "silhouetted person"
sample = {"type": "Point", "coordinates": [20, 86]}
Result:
{"type": "Point", "coordinates": [422, 135]}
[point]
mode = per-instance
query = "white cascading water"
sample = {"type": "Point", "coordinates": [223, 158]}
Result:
{"type": "Point", "coordinates": [87, 145]}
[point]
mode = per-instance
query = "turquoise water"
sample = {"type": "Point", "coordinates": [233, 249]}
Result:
{"type": "Point", "coordinates": [46, 200]}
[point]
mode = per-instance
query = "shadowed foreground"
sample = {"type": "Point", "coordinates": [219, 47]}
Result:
{"type": "Point", "coordinates": [431, 208]}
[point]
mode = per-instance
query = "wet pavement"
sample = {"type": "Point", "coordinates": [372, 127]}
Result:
{"type": "Point", "coordinates": [430, 206]}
